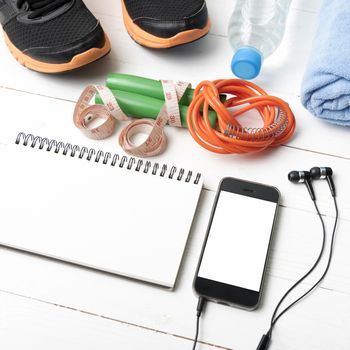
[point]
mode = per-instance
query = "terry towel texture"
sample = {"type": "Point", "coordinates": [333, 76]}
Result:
{"type": "Point", "coordinates": [326, 84]}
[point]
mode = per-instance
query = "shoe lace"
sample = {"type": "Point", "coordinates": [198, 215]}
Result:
{"type": "Point", "coordinates": [39, 8]}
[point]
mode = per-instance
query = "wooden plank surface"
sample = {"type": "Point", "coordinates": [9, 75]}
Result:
{"type": "Point", "coordinates": [30, 324]}
{"type": "Point", "coordinates": [59, 306]}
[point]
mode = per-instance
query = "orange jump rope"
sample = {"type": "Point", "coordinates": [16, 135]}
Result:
{"type": "Point", "coordinates": [230, 136]}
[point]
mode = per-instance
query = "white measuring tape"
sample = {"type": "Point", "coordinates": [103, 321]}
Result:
{"type": "Point", "coordinates": [110, 112]}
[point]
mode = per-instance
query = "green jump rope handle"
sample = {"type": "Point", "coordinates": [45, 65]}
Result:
{"type": "Point", "coordinates": [146, 87]}
{"type": "Point", "coordinates": [143, 98]}
{"type": "Point", "coordinates": [140, 106]}
{"type": "Point", "coordinates": [143, 86]}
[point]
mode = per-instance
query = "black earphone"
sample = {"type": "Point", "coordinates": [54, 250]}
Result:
{"type": "Point", "coordinates": [306, 177]}
{"type": "Point", "coordinates": [315, 173]}
{"type": "Point", "coordinates": [324, 173]}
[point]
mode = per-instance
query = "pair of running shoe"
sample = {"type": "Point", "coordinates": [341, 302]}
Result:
{"type": "Point", "coordinates": [54, 36]}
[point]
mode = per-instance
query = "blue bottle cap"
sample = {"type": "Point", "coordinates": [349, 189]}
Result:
{"type": "Point", "coordinates": [246, 63]}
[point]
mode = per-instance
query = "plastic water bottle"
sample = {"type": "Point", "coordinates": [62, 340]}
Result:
{"type": "Point", "coordinates": [255, 31]}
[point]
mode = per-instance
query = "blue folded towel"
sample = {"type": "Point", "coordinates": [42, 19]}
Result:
{"type": "Point", "coordinates": [326, 83]}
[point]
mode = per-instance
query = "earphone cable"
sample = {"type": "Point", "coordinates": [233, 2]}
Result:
{"type": "Point", "coordinates": [200, 306]}
{"type": "Point", "coordinates": [273, 318]}
{"type": "Point", "coordinates": [325, 271]}
{"type": "Point", "coordinates": [197, 333]}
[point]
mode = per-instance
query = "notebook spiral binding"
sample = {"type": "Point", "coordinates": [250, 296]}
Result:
{"type": "Point", "coordinates": [106, 158]}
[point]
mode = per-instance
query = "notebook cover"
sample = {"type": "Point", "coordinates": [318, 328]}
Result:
{"type": "Point", "coordinates": [128, 218]}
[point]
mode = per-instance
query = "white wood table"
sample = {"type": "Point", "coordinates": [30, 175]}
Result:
{"type": "Point", "coordinates": [51, 305]}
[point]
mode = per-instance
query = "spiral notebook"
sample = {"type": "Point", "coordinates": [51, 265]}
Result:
{"type": "Point", "coordinates": [117, 214]}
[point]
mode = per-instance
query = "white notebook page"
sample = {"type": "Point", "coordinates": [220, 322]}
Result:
{"type": "Point", "coordinates": [109, 218]}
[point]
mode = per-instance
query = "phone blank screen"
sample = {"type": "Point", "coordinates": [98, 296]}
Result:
{"type": "Point", "coordinates": [238, 241]}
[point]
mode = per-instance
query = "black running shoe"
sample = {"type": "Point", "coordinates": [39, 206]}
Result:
{"type": "Point", "coordinates": [163, 24]}
{"type": "Point", "coordinates": [52, 36]}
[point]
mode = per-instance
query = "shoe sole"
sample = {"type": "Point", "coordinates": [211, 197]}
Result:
{"type": "Point", "coordinates": [77, 61]}
{"type": "Point", "coordinates": [154, 42]}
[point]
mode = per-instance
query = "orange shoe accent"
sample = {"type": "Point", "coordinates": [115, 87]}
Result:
{"type": "Point", "coordinates": [154, 42]}
{"type": "Point", "coordinates": [44, 67]}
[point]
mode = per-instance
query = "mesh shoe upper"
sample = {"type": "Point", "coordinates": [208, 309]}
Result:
{"type": "Point", "coordinates": [163, 10]}
{"type": "Point", "coordinates": [165, 19]}
{"type": "Point", "coordinates": [69, 27]}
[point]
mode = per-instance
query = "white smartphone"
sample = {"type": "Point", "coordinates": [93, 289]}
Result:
{"type": "Point", "coordinates": [232, 264]}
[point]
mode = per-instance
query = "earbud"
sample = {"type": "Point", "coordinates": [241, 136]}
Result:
{"type": "Point", "coordinates": [302, 177]}
{"type": "Point", "coordinates": [320, 173]}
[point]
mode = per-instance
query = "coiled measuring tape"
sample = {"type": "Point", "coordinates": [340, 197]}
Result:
{"type": "Point", "coordinates": [85, 114]}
